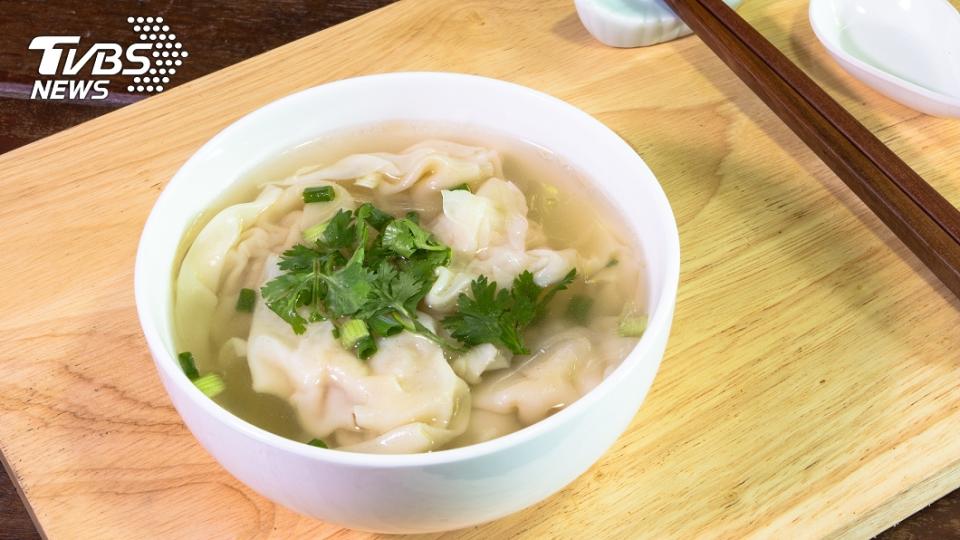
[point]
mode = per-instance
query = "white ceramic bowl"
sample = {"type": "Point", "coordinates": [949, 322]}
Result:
{"type": "Point", "coordinates": [442, 490]}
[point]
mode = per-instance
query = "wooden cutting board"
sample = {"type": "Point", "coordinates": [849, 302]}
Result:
{"type": "Point", "coordinates": [809, 389]}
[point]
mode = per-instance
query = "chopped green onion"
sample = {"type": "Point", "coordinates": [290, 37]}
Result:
{"type": "Point", "coordinates": [612, 262]}
{"type": "Point", "coordinates": [374, 216]}
{"type": "Point", "coordinates": [632, 326]}
{"type": "Point", "coordinates": [462, 187]}
{"type": "Point", "coordinates": [188, 365]}
{"type": "Point", "coordinates": [353, 331]}
{"type": "Point", "coordinates": [578, 310]}
{"type": "Point", "coordinates": [210, 384]}
{"type": "Point", "coordinates": [318, 443]}
{"type": "Point", "coordinates": [385, 325]}
{"type": "Point", "coordinates": [246, 300]}
{"type": "Point", "coordinates": [318, 194]}
{"type": "Point", "coordinates": [366, 347]}
{"type": "Point", "coordinates": [313, 234]}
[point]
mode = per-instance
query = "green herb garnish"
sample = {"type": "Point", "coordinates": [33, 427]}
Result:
{"type": "Point", "coordinates": [246, 299]}
{"type": "Point", "coordinates": [318, 443]}
{"type": "Point", "coordinates": [578, 310]}
{"type": "Point", "coordinates": [351, 332]}
{"type": "Point", "coordinates": [632, 326]}
{"type": "Point", "coordinates": [365, 268]}
{"type": "Point", "coordinates": [378, 219]}
{"type": "Point", "coordinates": [188, 365]}
{"type": "Point", "coordinates": [340, 231]}
{"type": "Point", "coordinates": [367, 271]}
{"type": "Point", "coordinates": [499, 317]}
{"type": "Point", "coordinates": [348, 287]}
{"type": "Point", "coordinates": [365, 348]}
{"type": "Point", "coordinates": [318, 194]}
{"type": "Point", "coordinates": [210, 384]}
{"type": "Point", "coordinates": [287, 293]}
{"type": "Point", "coordinates": [404, 237]}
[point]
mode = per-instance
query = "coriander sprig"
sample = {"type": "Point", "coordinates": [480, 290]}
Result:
{"type": "Point", "coordinates": [367, 271]}
{"type": "Point", "coordinates": [500, 317]}
{"type": "Point", "coordinates": [365, 267]}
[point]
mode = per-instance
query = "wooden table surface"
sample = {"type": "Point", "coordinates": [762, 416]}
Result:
{"type": "Point", "coordinates": [221, 33]}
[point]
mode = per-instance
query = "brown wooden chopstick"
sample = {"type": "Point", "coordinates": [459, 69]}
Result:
{"type": "Point", "coordinates": [926, 222]}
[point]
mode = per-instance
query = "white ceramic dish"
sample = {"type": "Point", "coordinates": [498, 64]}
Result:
{"type": "Point", "coordinates": [633, 23]}
{"type": "Point", "coordinates": [448, 489]}
{"type": "Point", "coordinates": [907, 50]}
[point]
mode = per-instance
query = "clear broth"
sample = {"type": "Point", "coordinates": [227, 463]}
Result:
{"type": "Point", "coordinates": [572, 213]}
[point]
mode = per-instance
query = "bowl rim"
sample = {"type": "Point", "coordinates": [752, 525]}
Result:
{"type": "Point", "coordinates": [659, 319]}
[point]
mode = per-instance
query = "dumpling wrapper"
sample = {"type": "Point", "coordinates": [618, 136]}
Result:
{"type": "Point", "coordinates": [562, 369]}
{"type": "Point", "coordinates": [198, 282]}
{"type": "Point", "coordinates": [405, 398]}
{"type": "Point", "coordinates": [488, 232]}
{"type": "Point", "coordinates": [423, 168]}
{"type": "Point", "coordinates": [471, 365]}
{"type": "Point", "coordinates": [228, 255]}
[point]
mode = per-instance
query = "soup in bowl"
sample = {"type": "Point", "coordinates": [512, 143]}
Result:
{"type": "Point", "coordinates": [409, 302]}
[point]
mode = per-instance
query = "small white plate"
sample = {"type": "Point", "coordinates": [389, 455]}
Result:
{"type": "Point", "coordinates": [908, 50]}
{"type": "Point", "coordinates": [633, 23]}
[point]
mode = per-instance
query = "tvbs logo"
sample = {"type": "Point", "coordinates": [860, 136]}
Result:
{"type": "Point", "coordinates": [150, 61]}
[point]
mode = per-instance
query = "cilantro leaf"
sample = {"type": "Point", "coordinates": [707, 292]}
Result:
{"type": "Point", "coordinates": [348, 287]}
{"type": "Point", "coordinates": [287, 292]}
{"type": "Point", "coordinates": [477, 319]}
{"type": "Point", "coordinates": [391, 306]}
{"type": "Point", "coordinates": [425, 263]}
{"type": "Point", "coordinates": [299, 258]}
{"type": "Point", "coordinates": [369, 270]}
{"type": "Point", "coordinates": [407, 291]}
{"type": "Point", "coordinates": [552, 290]}
{"type": "Point", "coordinates": [404, 237]}
{"type": "Point", "coordinates": [340, 231]}
{"type": "Point", "coordinates": [396, 290]}
{"type": "Point", "coordinates": [524, 295]}
{"type": "Point", "coordinates": [378, 219]}
{"type": "Point", "coordinates": [500, 317]}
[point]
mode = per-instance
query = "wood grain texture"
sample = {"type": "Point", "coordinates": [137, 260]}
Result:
{"type": "Point", "coordinates": [809, 386]}
{"type": "Point", "coordinates": [220, 33]}
{"type": "Point", "coordinates": [923, 220]}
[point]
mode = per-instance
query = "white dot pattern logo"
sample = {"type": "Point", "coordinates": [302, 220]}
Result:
{"type": "Point", "coordinates": [165, 52]}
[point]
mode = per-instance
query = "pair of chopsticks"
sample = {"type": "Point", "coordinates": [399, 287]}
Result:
{"type": "Point", "coordinates": [926, 222]}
